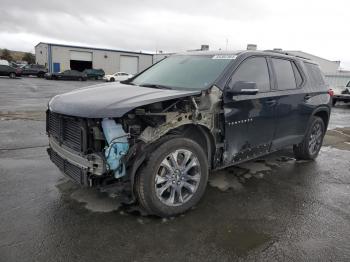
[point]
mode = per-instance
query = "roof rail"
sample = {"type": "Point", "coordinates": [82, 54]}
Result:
{"type": "Point", "coordinates": [286, 53]}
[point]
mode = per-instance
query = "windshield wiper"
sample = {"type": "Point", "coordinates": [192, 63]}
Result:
{"type": "Point", "coordinates": [155, 86]}
{"type": "Point", "coordinates": [126, 82]}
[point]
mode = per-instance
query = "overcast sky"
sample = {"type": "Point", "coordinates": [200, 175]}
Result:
{"type": "Point", "coordinates": [317, 27]}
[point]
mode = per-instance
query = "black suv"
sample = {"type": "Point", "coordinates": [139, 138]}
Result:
{"type": "Point", "coordinates": [154, 137]}
{"type": "Point", "coordinates": [34, 69]}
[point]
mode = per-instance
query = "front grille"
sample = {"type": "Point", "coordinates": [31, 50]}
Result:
{"type": "Point", "coordinates": [67, 130]}
{"type": "Point", "coordinates": [74, 172]}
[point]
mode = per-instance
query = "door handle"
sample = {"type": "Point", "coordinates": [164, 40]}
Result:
{"type": "Point", "coordinates": [307, 97]}
{"type": "Point", "coordinates": [271, 102]}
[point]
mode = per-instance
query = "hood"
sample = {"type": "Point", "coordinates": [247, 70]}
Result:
{"type": "Point", "coordinates": [110, 100]}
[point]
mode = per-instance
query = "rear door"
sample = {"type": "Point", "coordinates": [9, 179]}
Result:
{"type": "Point", "coordinates": [292, 114]}
{"type": "Point", "coordinates": [3, 70]}
{"type": "Point", "coordinates": [249, 119]}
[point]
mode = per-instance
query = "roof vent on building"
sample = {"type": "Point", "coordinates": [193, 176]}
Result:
{"type": "Point", "coordinates": [204, 47]}
{"type": "Point", "coordinates": [252, 46]}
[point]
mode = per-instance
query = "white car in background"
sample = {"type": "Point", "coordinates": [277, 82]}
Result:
{"type": "Point", "coordinates": [119, 76]}
{"type": "Point", "coordinates": [341, 94]}
{"type": "Point", "coordinates": [4, 62]}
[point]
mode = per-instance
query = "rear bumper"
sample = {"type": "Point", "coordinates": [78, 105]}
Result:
{"type": "Point", "coordinates": [81, 169]}
{"type": "Point", "coordinates": [344, 97]}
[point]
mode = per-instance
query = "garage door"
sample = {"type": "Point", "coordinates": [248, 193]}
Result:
{"type": "Point", "coordinates": [129, 64]}
{"type": "Point", "coordinates": [80, 56]}
{"type": "Point", "coordinates": [80, 60]}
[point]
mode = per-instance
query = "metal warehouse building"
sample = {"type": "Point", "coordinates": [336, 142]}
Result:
{"type": "Point", "coordinates": [57, 57]}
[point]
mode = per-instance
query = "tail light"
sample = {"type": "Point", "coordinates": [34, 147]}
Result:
{"type": "Point", "coordinates": [331, 92]}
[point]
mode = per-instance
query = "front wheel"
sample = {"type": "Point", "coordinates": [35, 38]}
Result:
{"type": "Point", "coordinates": [309, 148]}
{"type": "Point", "coordinates": [12, 75]}
{"type": "Point", "coordinates": [174, 178]}
{"type": "Point", "coordinates": [112, 79]}
{"type": "Point", "coordinates": [334, 101]}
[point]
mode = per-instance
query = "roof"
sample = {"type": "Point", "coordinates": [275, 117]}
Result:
{"type": "Point", "coordinates": [257, 52]}
{"type": "Point", "coordinates": [310, 56]}
{"type": "Point", "coordinates": [207, 52]}
{"type": "Point", "coordinates": [95, 48]}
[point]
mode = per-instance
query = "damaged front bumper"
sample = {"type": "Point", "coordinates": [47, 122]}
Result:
{"type": "Point", "coordinates": [81, 169]}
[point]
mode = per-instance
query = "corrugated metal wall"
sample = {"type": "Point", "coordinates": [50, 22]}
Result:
{"type": "Point", "coordinates": [338, 80]}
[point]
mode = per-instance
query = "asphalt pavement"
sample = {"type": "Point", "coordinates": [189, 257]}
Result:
{"type": "Point", "coordinates": [271, 209]}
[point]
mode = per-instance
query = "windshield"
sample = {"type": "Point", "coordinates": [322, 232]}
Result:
{"type": "Point", "coordinates": [184, 72]}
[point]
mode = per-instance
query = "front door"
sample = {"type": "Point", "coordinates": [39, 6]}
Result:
{"type": "Point", "coordinates": [249, 119]}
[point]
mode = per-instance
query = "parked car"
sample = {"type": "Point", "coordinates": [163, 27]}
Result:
{"type": "Point", "coordinates": [119, 76]}
{"type": "Point", "coordinates": [9, 71]}
{"type": "Point", "coordinates": [34, 69]}
{"type": "Point", "coordinates": [154, 138]}
{"type": "Point", "coordinates": [67, 75]}
{"type": "Point", "coordinates": [94, 73]}
{"type": "Point", "coordinates": [341, 94]}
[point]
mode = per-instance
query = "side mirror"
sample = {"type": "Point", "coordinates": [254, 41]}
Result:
{"type": "Point", "coordinates": [243, 88]}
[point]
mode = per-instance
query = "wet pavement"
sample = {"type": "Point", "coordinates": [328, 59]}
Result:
{"type": "Point", "coordinates": [272, 209]}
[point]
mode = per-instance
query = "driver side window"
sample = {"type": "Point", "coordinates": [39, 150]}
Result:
{"type": "Point", "coordinates": [253, 70]}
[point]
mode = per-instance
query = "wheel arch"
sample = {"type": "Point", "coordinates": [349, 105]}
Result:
{"type": "Point", "coordinates": [201, 135]}
{"type": "Point", "coordinates": [198, 133]}
{"type": "Point", "coordinates": [324, 113]}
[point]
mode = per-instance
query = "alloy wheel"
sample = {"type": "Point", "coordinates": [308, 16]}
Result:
{"type": "Point", "coordinates": [177, 178]}
{"type": "Point", "coordinates": [315, 140]}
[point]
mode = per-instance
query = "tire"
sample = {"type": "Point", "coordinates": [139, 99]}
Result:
{"type": "Point", "coordinates": [334, 101]}
{"type": "Point", "coordinates": [112, 79]}
{"type": "Point", "coordinates": [12, 75]}
{"type": "Point", "coordinates": [40, 75]}
{"type": "Point", "coordinates": [80, 79]}
{"type": "Point", "coordinates": [157, 182]}
{"type": "Point", "coordinates": [309, 148]}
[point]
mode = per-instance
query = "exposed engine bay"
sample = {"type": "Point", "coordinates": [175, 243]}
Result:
{"type": "Point", "coordinates": [122, 144]}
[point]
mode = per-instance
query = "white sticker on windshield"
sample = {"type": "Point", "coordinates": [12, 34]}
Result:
{"type": "Point", "coordinates": [224, 57]}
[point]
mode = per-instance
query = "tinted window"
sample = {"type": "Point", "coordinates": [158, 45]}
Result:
{"type": "Point", "coordinates": [284, 74]}
{"type": "Point", "coordinates": [253, 70]}
{"type": "Point", "coordinates": [298, 77]}
{"type": "Point", "coordinates": [315, 74]}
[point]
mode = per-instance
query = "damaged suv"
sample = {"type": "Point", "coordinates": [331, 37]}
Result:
{"type": "Point", "coordinates": [153, 138]}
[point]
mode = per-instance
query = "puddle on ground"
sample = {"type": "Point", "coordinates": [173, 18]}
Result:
{"type": "Point", "coordinates": [255, 167]}
{"type": "Point", "coordinates": [224, 181]}
{"type": "Point", "coordinates": [234, 177]}
{"type": "Point", "coordinates": [338, 138]}
{"type": "Point", "coordinates": [95, 201]}
{"type": "Point", "coordinates": [241, 240]}
{"type": "Point", "coordinates": [92, 199]}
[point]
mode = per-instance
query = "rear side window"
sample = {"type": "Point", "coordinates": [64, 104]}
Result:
{"type": "Point", "coordinates": [298, 77]}
{"type": "Point", "coordinates": [284, 74]}
{"type": "Point", "coordinates": [253, 70]}
{"type": "Point", "coordinates": [315, 74]}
